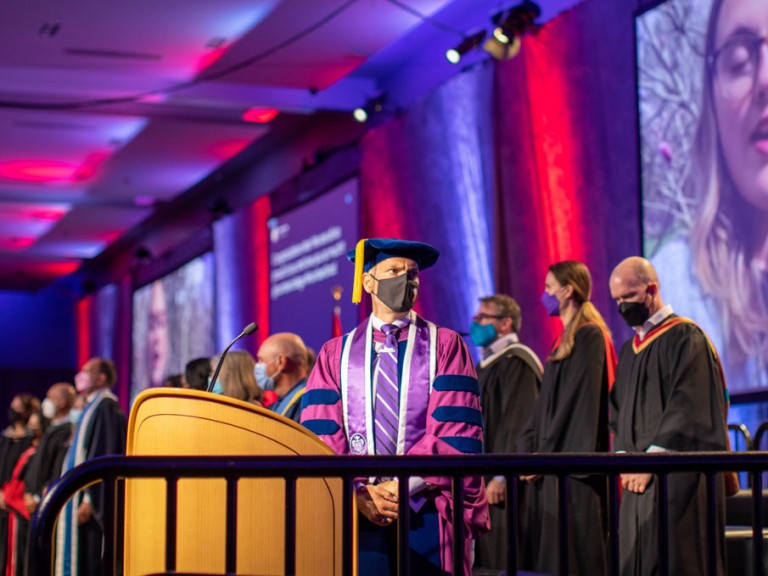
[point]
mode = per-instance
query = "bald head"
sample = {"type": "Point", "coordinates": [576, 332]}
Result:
{"type": "Point", "coordinates": [289, 345]}
{"type": "Point", "coordinates": [286, 360]}
{"type": "Point", "coordinates": [635, 280]}
{"type": "Point", "coordinates": [637, 269]}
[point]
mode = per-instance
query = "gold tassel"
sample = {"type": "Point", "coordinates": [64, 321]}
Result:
{"type": "Point", "coordinates": [357, 286]}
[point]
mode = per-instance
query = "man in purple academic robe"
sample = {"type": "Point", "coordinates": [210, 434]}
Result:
{"type": "Point", "coordinates": [432, 407]}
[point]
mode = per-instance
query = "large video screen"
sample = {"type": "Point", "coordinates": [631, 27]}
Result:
{"type": "Point", "coordinates": [173, 323]}
{"type": "Point", "coordinates": [308, 265]}
{"type": "Point", "coordinates": [703, 105]}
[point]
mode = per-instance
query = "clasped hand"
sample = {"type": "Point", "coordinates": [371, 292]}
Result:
{"type": "Point", "coordinates": [378, 502]}
{"type": "Point", "coordinates": [636, 483]}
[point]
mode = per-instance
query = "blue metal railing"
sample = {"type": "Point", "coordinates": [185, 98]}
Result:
{"type": "Point", "coordinates": [111, 469]}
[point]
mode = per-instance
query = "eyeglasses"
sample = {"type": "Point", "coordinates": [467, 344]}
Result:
{"type": "Point", "coordinates": [480, 317]}
{"type": "Point", "coordinates": [735, 64]}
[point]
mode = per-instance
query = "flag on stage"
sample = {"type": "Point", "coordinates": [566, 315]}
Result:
{"type": "Point", "coordinates": [336, 324]}
{"type": "Point", "coordinates": [336, 328]}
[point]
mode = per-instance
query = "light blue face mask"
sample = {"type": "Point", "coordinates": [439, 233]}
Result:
{"type": "Point", "coordinates": [75, 414]}
{"type": "Point", "coordinates": [217, 388]}
{"type": "Point", "coordinates": [264, 380]}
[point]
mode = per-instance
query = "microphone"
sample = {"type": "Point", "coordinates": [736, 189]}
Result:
{"type": "Point", "coordinates": [247, 331]}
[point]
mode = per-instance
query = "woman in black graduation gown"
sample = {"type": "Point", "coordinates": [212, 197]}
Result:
{"type": "Point", "coordinates": [14, 441]}
{"type": "Point", "coordinates": [571, 415]}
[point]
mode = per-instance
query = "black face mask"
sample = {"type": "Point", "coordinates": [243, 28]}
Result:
{"type": "Point", "coordinates": [634, 313]}
{"type": "Point", "coordinates": [398, 294]}
{"type": "Point", "coordinates": [13, 416]}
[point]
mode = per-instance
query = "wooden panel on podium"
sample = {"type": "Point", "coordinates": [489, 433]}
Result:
{"type": "Point", "coordinates": [176, 422]}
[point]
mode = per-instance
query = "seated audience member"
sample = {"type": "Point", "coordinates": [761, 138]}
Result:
{"type": "Point", "coordinates": [311, 359]}
{"type": "Point", "coordinates": [173, 381]}
{"type": "Point", "coordinates": [282, 367]}
{"type": "Point", "coordinates": [236, 378]}
{"type": "Point", "coordinates": [196, 374]}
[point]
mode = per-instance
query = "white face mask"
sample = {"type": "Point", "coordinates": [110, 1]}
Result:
{"type": "Point", "coordinates": [264, 380]}
{"type": "Point", "coordinates": [49, 408]}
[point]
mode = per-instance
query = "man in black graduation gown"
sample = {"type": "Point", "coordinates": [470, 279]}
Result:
{"type": "Point", "coordinates": [509, 375]}
{"type": "Point", "coordinates": [45, 466]}
{"type": "Point", "coordinates": [101, 431]}
{"type": "Point", "coordinates": [668, 396]}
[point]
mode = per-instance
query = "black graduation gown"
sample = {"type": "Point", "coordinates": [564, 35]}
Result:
{"type": "Point", "coordinates": [571, 415]}
{"type": "Point", "coordinates": [670, 395]}
{"type": "Point", "coordinates": [105, 435]}
{"type": "Point", "coordinates": [10, 449]}
{"type": "Point", "coordinates": [45, 466]}
{"type": "Point", "coordinates": [509, 387]}
{"type": "Point", "coordinates": [22, 527]}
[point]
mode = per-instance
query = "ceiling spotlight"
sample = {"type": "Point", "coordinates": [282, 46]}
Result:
{"type": "Point", "coordinates": [500, 35]}
{"type": "Point", "coordinates": [508, 28]}
{"type": "Point", "coordinates": [515, 21]}
{"type": "Point", "coordinates": [360, 114]}
{"type": "Point", "coordinates": [469, 43]}
{"type": "Point", "coordinates": [374, 106]}
{"type": "Point", "coordinates": [503, 50]}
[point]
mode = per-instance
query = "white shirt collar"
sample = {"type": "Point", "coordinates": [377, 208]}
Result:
{"type": "Point", "coordinates": [62, 420]}
{"type": "Point", "coordinates": [378, 322]}
{"type": "Point", "coordinates": [661, 315]}
{"type": "Point", "coordinates": [500, 343]}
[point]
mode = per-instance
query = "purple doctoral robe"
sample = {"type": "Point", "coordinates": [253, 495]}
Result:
{"type": "Point", "coordinates": [439, 399]}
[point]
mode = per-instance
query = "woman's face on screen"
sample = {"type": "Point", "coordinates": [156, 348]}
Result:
{"type": "Point", "coordinates": [740, 92]}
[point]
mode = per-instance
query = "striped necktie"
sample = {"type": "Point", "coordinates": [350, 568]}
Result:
{"type": "Point", "coordinates": [387, 393]}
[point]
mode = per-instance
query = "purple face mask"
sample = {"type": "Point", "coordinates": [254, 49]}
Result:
{"type": "Point", "coordinates": [551, 303]}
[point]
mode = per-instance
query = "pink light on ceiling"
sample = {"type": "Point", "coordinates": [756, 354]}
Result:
{"type": "Point", "coordinates": [91, 165]}
{"type": "Point", "coordinates": [16, 242]}
{"type": "Point", "coordinates": [259, 115]}
{"type": "Point", "coordinates": [52, 171]}
{"type": "Point", "coordinates": [211, 57]}
{"type": "Point", "coordinates": [229, 148]}
{"type": "Point", "coordinates": [60, 268]}
{"type": "Point", "coordinates": [109, 237]}
{"type": "Point", "coordinates": [46, 214]}
{"type": "Point", "coordinates": [39, 171]}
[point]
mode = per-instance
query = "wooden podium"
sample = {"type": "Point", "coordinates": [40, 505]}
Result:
{"type": "Point", "coordinates": [177, 422]}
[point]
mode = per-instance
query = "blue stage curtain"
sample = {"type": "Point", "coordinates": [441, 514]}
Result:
{"type": "Point", "coordinates": [242, 282]}
{"type": "Point", "coordinates": [427, 175]}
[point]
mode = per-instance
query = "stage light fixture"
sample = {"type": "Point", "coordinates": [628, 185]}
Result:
{"type": "Point", "coordinates": [360, 114]}
{"type": "Point", "coordinates": [509, 25]}
{"type": "Point", "coordinates": [501, 50]}
{"type": "Point", "coordinates": [374, 106]}
{"type": "Point", "coordinates": [467, 44]}
{"type": "Point", "coordinates": [500, 35]}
